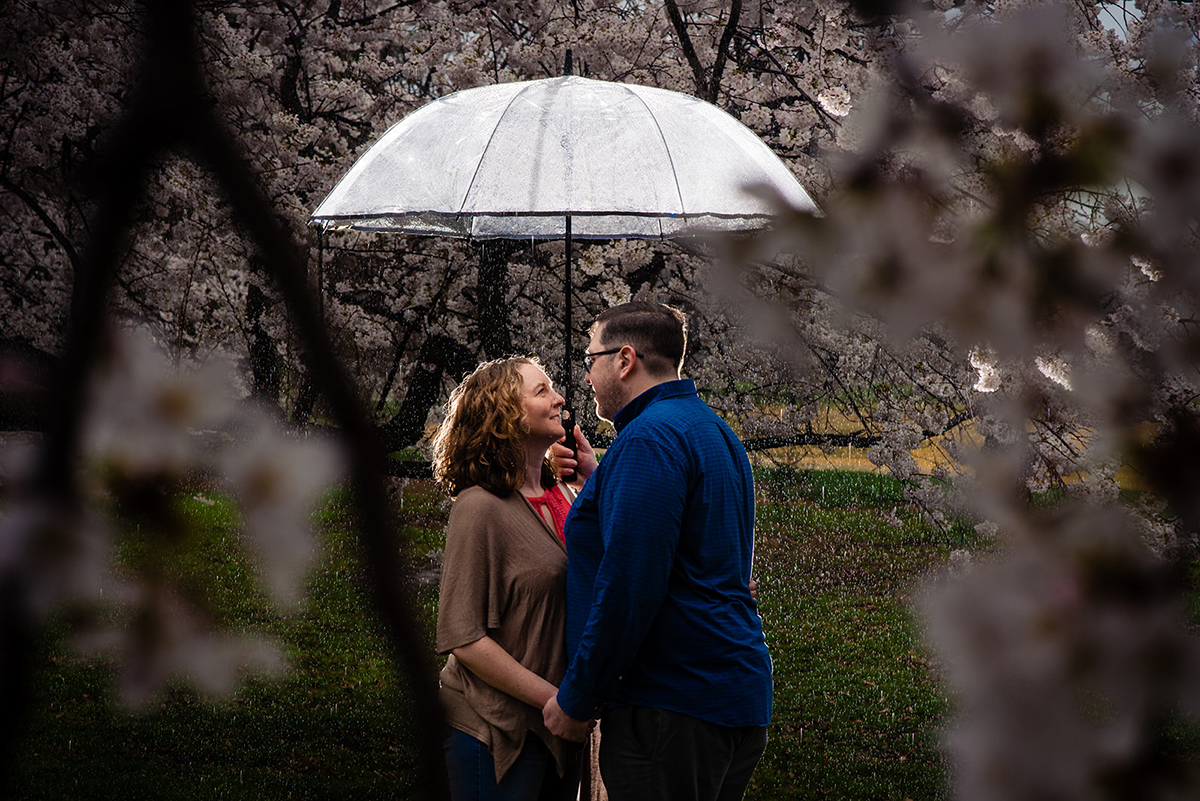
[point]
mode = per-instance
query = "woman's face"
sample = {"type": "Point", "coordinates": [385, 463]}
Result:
{"type": "Point", "coordinates": [542, 405]}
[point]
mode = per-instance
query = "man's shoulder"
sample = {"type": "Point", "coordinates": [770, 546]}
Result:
{"type": "Point", "coordinates": [676, 407]}
{"type": "Point", "coordinates": [678, 415]}
{"type": "Point", "coordinates": [676, 428]}
{"type": "Point", "coordinates": [665, 418]}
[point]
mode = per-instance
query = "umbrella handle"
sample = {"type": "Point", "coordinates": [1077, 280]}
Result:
{"type": "Point", "coordinates": [569, 424]}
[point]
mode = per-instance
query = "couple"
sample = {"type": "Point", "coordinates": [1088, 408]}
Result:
{"type": "Point", "coordinates": [630, 600]}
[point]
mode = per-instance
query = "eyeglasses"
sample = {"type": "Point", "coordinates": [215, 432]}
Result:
{"type": "Point", "coordinates": [590, 358]}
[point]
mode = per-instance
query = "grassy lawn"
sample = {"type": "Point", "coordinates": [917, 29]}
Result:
{"type": "Point", "coordinates": [857, 708]}
{"type": "Point", "coordinates": [856, 705]}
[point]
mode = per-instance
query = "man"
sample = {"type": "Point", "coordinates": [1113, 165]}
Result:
{"type": "Point", "coordinates": [666, 637]}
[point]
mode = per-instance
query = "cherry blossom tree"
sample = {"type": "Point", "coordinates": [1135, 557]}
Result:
{"type": "Point", "coordinates": [1003, 269]}
{"type": "Point", "coordinates": [307, 87]}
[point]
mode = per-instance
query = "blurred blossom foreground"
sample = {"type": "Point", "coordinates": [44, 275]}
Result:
{"type": "Point", "coordinates": [154, 434]}
{"type": "Point", "coordinates": [1024, 189]}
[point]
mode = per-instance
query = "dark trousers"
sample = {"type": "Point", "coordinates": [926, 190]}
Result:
{"type": "Point", "coordinates": [649, 754]}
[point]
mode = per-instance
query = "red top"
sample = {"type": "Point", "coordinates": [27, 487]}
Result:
{"type": "Point", "coordinates": [559, 506]}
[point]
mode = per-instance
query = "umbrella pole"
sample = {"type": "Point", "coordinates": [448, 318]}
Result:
{"type": "Point", "coordinates": [567, 392]}
{"type": "Point", "coordinates": [568, 406]}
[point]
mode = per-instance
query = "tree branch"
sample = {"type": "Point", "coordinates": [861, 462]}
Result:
{"type": "Point", "coordinates": [56, 233]}
{"type": "Point", "coordinates": [689, 51]}
{"type": "Point", "coordinates": [714, 86]}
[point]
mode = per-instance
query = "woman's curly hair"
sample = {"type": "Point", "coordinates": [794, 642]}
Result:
{"type": "Point", "coordinates": [482, 440]}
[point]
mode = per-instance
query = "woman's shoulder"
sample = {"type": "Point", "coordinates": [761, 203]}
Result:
{"type": "Point", "coordinates": [477, 498]}
{"type": "Point", "coordinates": [474, 515]}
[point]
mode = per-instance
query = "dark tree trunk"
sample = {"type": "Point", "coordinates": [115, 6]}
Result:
{"type": "Point", "coordinates": [265, 364]}
{"type": "Point", "coordinates": [439, 355]}
{"type": "Point", "coordinates": [25, 377]}
{"type": "Point", "coordinates": [491, 299]}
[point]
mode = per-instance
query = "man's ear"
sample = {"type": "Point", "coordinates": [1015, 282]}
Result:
{"type": "Point", "coordinates": [628, 357]}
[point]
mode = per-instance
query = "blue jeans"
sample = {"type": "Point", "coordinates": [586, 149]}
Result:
{"type": "Point", "coordinates": [533, 777]}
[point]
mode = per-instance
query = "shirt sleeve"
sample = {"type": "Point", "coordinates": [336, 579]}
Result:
{"type": "Point", "coordinates": [467, 605]}
{"type": "Point", "coordinates": [641, 503]}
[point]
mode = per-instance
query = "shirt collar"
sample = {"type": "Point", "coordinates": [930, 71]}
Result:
{"type": "Point", "coordinates": [667, 389]}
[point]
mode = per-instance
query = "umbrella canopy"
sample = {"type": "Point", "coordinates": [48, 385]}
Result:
{"type": "Point", "coordinates": [561, 158]}
{"type": "Point", "coordinates": [514, 160]}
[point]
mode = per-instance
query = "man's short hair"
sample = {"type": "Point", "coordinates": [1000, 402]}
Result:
{"type": "Point", "coordinates": [657, 331]}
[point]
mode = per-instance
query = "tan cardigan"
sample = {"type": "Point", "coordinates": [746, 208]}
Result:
{"type": "Point", "coordinates": [504, 576]}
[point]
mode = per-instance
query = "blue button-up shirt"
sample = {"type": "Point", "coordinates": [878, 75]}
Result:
{"type": "Point", "coordinates": [659, 548]}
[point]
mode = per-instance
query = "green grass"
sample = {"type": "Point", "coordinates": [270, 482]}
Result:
{"type": "Point", "coordinates": [335, 724]}
{"type": "Point", "coordinates": [857, 707]}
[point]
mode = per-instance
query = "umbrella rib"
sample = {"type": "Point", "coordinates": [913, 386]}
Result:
{"type": "Point", "coordinates": [670, 158]}
{"type": "Point", "coordinates": [483, 153]}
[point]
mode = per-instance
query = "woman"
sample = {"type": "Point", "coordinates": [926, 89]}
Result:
{"type": "Point", "coordinates": [502, 611]}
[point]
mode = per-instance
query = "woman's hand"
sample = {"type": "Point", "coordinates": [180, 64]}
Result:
{"type": "Point", "coordinates": [563, 725]}
{"type": "Point", "coordinates": [582, 463]}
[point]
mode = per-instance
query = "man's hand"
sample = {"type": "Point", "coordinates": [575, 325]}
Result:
{"type": "Point", "coordinates": [582, 462]}
{"type": "Point", "coordinates": [563, 725]}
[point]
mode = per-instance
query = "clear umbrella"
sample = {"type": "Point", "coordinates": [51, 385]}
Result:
{"type": "Point", "coordinates": [563, 158]}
